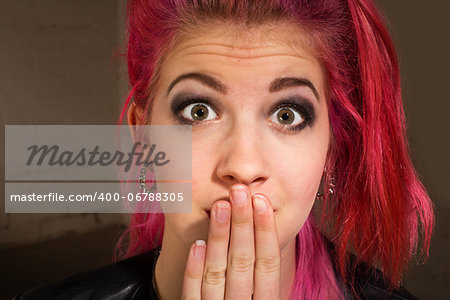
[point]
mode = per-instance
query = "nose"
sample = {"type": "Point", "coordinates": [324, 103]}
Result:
{"type": "Point", "coordinates": [242, 157]}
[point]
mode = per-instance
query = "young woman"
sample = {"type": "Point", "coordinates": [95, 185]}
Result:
{"type": "Point", "coordinates": [281, 95]}
{"type": "Point", "coordinates": [302, 184]}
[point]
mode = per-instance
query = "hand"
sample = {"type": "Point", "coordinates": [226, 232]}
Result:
{"type": "Point", "coordinates": [216, 271]}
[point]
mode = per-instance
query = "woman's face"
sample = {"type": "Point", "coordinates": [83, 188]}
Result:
{"type": "Point", "coordinates": [257, 105]}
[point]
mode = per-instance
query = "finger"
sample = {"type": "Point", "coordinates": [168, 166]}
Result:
{"type": "Point", "coordinates": [241, 254]}
{"type": "Point", "coordinates": [193, 273]}
{"type": "Point", "coordinates": [267, 253]}
{"type": "Point", "coordinates": [213, 285]}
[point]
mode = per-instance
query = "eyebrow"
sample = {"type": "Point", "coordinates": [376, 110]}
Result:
{"type": "Point", "coordinates": [275, 86]}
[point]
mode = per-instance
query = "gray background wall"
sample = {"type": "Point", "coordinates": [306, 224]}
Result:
{"type": "Point", "coordinates": [56, 67]}
{"type": "Point", "coordinates": [420, 31]}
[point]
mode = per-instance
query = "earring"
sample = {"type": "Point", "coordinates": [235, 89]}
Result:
{"type": "Point", "coordinates": [142, 181]}
{"type": "Point", "coordinates": [331, 185]}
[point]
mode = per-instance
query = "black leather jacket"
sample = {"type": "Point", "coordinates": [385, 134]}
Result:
{"type": "Point", "coordinates": [131, 279]}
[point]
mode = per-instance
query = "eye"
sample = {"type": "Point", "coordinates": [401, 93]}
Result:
{"type": "Point", "coordinates": [293, 114]}
{"type": "Point", "coordinates": [198, 112]}
{"type": "Point", "coordinates": [287, 116]}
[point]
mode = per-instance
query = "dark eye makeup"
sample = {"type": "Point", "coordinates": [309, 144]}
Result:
{"type": "Point", "coordinates": [300, 105]}
{"type": "Point", "coordinates": [295, 103]}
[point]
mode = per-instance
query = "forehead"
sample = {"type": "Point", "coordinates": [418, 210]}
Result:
{"type": "Point", "coordinates": [244, 42]}
{"type": "Point", "coordinates": [237, 54]}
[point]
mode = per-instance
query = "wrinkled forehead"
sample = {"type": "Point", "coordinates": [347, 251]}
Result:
{"type": "Point", "coordinates": [241, 41]}
{"type": "Point", "coordinates": [248, 58]}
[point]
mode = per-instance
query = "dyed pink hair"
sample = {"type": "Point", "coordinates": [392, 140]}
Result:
{"type": "Point", "coordinates": [379, 200]}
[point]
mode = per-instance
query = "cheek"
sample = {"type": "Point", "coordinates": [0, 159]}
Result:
{"type": "Point", "coordinates": [201, 173]}
{"type": "Point", "coordinates": [298, 185]}
{"type": "Point", "coordinates": [302, 182]}
{"type": "Point", "coordinates": [300, 197]}
{"type": "Point", "coordinates": [189, 227]}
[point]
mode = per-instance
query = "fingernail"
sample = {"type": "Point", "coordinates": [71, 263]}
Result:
{"type": "Point", "coordinates": [239, 196]}
{"type": "Point", "coordinates": [260, 204]}
{"type": "Point", "coordinates": [221, 213]}
{"type": "Point", "coordinates": [199, 249]}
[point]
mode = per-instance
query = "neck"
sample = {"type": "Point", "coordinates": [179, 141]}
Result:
{"type": "Point", "coordinates": [169, 270]}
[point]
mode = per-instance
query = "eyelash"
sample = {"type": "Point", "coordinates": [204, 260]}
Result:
{"type": "Point", "coordinates": [303, 107]}
{"type": "Point", "coordinates": [300, 105]}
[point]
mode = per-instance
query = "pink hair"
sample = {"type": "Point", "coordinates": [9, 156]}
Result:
{"type": "Point", "coordinates": [379, 200]}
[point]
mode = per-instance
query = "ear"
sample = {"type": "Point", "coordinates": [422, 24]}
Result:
{"type": "Point", "coordinates": [134, 117]}
{"type": "Point", "coordinates": [134, 114]}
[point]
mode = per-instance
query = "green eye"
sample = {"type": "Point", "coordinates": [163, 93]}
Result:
{"type": "Point", "coordinates": [287, 116]}
{"type": "Point", "coordinates": [198, 112]}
